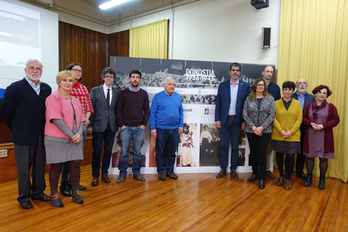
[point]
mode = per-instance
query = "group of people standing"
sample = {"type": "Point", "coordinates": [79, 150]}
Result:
{"type": "Point", "coordinates": [53, 127]}
{"type": "Point", "coordinates": [298, 123]}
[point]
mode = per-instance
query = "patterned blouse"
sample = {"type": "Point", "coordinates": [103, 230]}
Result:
{"type": "Point", "coordinates": [81, 92]}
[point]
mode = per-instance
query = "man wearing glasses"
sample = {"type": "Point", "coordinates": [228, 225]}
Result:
{"type": "Point", "coordinates": [23, 109]}
{"type": "Point", "coordinates": [103, 124]}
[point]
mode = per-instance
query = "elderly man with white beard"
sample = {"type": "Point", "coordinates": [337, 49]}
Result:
{"type": "Point", "coordinates": [304, 98]}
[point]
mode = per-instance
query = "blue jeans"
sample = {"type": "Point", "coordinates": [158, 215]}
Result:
{"type": "Point", "coordinates": [108, 137]}
{"type": "Point", "coordinates": [65, 168]}
{"type": "Point", "coordinates": [166, 139]}
{"type": "Point", "coordinates": [230, 132]}
{"type": "Point", "coordinates": [135, 133]}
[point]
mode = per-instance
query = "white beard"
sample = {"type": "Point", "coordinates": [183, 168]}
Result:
{"type": "Point", "coordinates": [301, 90]}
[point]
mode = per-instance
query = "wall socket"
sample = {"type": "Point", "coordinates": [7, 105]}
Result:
{"type": "Point", "coordinates": [3, 153]}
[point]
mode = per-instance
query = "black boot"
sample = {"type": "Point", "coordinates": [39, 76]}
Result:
{"type": "Point", "coordinates": [308, 181]}
{"type": "Point", "coordinates": [321, 185]}
{"type": "Point", "coordinates": [65, 189]}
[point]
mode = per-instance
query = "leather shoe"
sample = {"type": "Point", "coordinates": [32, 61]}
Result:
{"type": "Point", "coordinates": [65, 188]}
{"type": "Point", "coordinates": [161, 176]}
{"type": "Point", "coordinates": [120, 179]}
{"type": "Point", "coordinates": [234, 174]}
{"type": "Point", "coordinates": [221, 174]}
{"type": "Point", "coordinates": [302, 176]}
{"type": "Point", "coordinates": [105, 178]}
{"type": "Point", "coordinates": [270, 174]}
{"type": "Point", "coordinates": [253, 178]}
{"type": "Point", "coordinates": [262, 184]}
{"type": "Point", "coordinates": [81, 187]}
{"type": "Point", "coordinates": [42, 197]}
{"type": "Point", "coordinates": [280, 181]}
{"type": "Point", "coordinates": [287, 185]}
{"type": "Point", "coordinates": [95, 181]}
{"type": "Point", "coordinates": [139, 177]}
{"type": "Point", "coordinates": [172, 175]}
{"type": "Point", "coordinates": [27, 205]}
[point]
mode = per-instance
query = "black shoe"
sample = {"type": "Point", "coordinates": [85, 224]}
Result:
{"type": "Point", "coordinates": [321, 183]}
{"type": "Point", "coordinates": [308, 181]}
{"type": "Point", "coordinates": [81, 187]}
{"type": "Point", "coordinates": [262, 184]}
{"type": "Point", "coordinates": [253, 178]}
{"type": "Point", "coordinates": [27, 204]}
{"type": "Point", "coordinates": [64, 189]}
{"type": "Point", "coordinates": [302, 176]}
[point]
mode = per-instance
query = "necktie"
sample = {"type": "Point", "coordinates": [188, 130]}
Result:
{"type": "Point", "coordinates": [108, 96]}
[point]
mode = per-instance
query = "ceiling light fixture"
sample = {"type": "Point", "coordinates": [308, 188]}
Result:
{"type": "Point", "coordinates": [111, 3]}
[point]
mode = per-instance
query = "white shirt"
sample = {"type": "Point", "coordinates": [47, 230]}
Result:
{"type": "Point", "coordinates": [106, 92]}
{"type": "Point", "coordinates": [32, 84]}
{"type": "Point", "coordinates": [233, 96]}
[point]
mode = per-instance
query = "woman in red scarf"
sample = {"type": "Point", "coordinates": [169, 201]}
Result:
{"type": "Point", "coordinates": [319, 118]}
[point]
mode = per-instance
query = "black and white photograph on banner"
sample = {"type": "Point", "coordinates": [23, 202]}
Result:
{"type": "Point", "coordinates": [197, 83]}
{"type": "Point", "coordinates": [186, 155]}
{"type": "Point", "coordinates": [242, 149]}
{"type": "Point", "coordinates": [209, 145]}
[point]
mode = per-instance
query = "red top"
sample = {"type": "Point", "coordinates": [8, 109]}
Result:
{"type": "Point", "coordinates": [332, 120]}
{"type": "Point", "coordinates": [81, 93]}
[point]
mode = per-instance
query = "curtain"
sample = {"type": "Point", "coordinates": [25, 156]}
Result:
{"type": "Point", "coordinates": [313, 44]}
{"type": "Point", "coordinates": [150, 40]}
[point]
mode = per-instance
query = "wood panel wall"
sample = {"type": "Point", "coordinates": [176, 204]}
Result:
{"type": "Point", "coordinates": [91, 49]}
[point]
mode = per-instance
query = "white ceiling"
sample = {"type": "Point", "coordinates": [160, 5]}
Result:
{"type": "Point", "coordinates": [88, 9]}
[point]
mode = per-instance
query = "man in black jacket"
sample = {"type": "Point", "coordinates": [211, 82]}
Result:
{"type": "Point", "coordinates": [23, 109]}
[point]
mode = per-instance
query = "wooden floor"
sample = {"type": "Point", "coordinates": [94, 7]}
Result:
{"type": "Point", "coordinates": [194, 202]}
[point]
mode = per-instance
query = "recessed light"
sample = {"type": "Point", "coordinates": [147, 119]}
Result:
{"type": "Point", "coordinates": [111, 3]}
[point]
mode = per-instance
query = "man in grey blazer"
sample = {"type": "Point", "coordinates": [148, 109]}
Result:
{"type": "Point", "coordinates": [304, 98]}
{"type": "Point", "coordinates": [103, 124]}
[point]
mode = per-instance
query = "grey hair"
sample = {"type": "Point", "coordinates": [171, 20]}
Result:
{"type": "Point", "coordinates": [33, 61]}
{"type": "Point", "coordinates": [167, 79]}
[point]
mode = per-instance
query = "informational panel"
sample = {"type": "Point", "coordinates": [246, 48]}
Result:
{"type": "Point", "coordinates": [197, 83]}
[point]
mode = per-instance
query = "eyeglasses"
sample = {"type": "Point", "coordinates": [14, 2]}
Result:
{"type": "Point", "coordinates": [76, 70]}
{"type": "Point", "coordinates": [31, 68]}
{"type": "Point", "coordinates": [109, 76]}
{"type": "Point", "coordinates": [260, 85]}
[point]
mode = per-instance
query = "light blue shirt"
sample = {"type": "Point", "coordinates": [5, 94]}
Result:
{"type": "Point", "coordinates": [301, 99]}
{"type": "Point", "coordinates": [233, 98]}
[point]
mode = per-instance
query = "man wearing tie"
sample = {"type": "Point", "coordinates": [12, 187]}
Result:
{"type": "Point", "coordinates": [103, 124]}
{"type": "Point", "coordinates": [228, 117]}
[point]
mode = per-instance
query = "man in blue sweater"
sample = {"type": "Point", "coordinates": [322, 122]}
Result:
{"type": "Point", "coordinates": [166, 122]}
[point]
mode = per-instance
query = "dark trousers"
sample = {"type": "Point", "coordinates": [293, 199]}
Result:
{"type": "Point", "coordinates": [108, 137]}
{"type": "Point", "coordinates": [230, 132]}
{"type": "Point", "coordinates": [300, 157]}
{"type": "Point", "coordinates": [166, 140]}
{"type": "Point", "coordinates": [30, 157]}
{"type": "Point", "coordinates": [258, 151]}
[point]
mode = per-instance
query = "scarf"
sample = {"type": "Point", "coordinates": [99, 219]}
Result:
{"type": "Point", "coordinates": [316, 109]}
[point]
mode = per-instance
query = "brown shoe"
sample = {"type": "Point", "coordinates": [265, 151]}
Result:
{"type": "Point", "coordinates": [221, 174]}
{"type": "Point", "coordinates": [95, 181]}
{"type": "Point", "coordinates": [234, 174]}
{"type": "Point", "coordinates": [287, 185]}
{"type": "Point", "coordinates": [280, 181]}
{"type": "Point", "coordinates": [105, 178]}
{"type": "Point", "coordinates": [270, 174]}
{"type": "Point", "coordinates": [139, 177]}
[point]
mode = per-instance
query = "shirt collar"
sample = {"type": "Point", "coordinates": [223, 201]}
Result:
{"type": "Point", "coordinates": [132, 90]}
{"type": "Point", "coordinates": [168, 94]}
{"type": "Point", "coordinates": [298, 95]}
{"type": "Point", "coordinates": [236, 83]}
{"type": "Point", "coordinates": [32, 83]}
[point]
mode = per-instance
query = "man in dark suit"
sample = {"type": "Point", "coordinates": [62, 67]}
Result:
{"type": "Point", "coordinates": [23, 109]}
{"type": "Point", "coordinates": [103, 124]}
{"type": "Point", "coordinates": [304, 98]}
{"type": "Point", "coordinates": [228, 116]}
